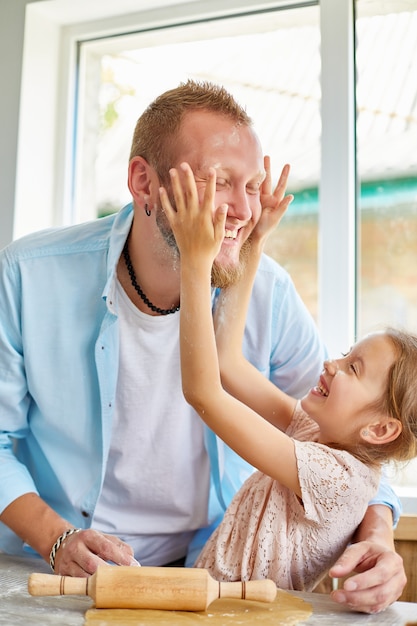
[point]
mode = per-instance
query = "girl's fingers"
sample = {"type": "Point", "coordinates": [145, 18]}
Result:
{"type": "Point", "coordinates": [272, 201]}
{"type": "Point", "coordinates": [166, 204]}
{"type": "Point", "coordinates": [219, 222]}
{"type": "Point", "coordinates": [210, 190]}
{"type": "Point", "coordinates": [177, 190]}
{"type": "Point", "coordinates": [186, 214]}
{"type": "Point", "coordinates": [187, 189]}
{"type": "Point", "coordinates": [267, 183]}
{"type": "Point", "coordinates": [279, 191]}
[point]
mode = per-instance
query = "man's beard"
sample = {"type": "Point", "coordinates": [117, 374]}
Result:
{"type": "Point", "coordinates": [226, 276]}
{"type": "Point", "coordinates": [221, 276]}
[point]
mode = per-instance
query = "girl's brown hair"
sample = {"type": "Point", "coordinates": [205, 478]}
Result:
{"type": "Point", "coordinates": [399, 402]}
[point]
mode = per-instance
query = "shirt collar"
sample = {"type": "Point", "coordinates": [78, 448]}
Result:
{"type": "Point", "coordinates": [118, 235]}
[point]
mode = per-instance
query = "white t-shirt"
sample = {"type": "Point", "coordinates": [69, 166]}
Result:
{"type": "Point", "coordinates": [155, 490]}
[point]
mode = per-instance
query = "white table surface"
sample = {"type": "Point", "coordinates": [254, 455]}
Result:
{"type": "Point", "coordinates": [18, 608]}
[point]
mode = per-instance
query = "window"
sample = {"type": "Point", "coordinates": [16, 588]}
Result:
{"type": "Point", "coordinates": [294, 69]}
{"type": "Point", "coordinates": [248, 55]}
{"type": "Point", "coordinates": [387, 168]}
{"type": "Point", "coordinates": [290, 67]}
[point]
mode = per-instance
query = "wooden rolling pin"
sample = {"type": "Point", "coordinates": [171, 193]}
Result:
{"type": "Point", "coordinates": [167, 588]}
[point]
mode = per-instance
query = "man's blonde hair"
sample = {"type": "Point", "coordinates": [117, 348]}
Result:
{"type": "Point", "coordinates": [156, 130]}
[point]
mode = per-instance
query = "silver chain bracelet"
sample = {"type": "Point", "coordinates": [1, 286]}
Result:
{"type": "Point", "coordinates": [58, 543]}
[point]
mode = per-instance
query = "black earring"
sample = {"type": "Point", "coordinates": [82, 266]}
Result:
{"type": "Point", "coordinates": [147, 211]}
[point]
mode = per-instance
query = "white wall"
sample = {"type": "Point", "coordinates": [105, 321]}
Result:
{"type": "Point", "coordinates": [55, 16]}
{"type": "Point", "coordinates": [12, 18]}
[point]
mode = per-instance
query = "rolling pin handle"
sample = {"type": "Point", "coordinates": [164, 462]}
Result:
{"type": "Point", "coordinates": [53, 585]}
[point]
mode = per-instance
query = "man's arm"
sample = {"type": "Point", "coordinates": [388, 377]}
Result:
{"type": "Point", "coordinates": [380, 578]}
{"type": "Point", "coordinates": [39, 526]}
{"type": "Point", "coordinates": [21, 508]}
{"type": "Point", "coordinates": [27, 515]}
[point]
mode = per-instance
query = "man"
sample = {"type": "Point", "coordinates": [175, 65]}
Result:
{"type": "Point", "coordinates": [101, 457]}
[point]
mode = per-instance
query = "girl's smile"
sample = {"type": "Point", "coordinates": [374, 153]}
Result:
{"type": "Point", "coordinates": [349, 387]}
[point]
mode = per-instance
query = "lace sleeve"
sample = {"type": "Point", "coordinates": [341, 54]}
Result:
{"type": "Point", "coordinates": [334, 484]}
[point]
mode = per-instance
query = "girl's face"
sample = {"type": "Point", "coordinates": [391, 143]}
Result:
{"type": "Point", "coordinates": [347, 386]}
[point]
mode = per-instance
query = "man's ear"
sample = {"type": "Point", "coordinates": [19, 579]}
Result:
{"type": "Point", "coordinates": [383, 431]}
{"type": "Point", "coordinates": [139, 178]}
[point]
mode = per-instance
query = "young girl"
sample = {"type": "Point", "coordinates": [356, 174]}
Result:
{"type": "Point", "coordinates": [319, 459]}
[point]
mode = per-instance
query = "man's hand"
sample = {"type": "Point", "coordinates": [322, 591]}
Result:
{"type": "Point", "coordinates": [81, 553]}
{"type": "Point", "coordinates": [379, 581]}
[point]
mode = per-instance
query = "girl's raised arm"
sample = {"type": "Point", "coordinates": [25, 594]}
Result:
{"type": "Point", "coordinates": [239, 376]}
{"type": "Point", "coordinates": [199, 232]}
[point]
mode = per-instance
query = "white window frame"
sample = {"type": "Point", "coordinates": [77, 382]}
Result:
{"type": "Point", "coordinates": [53, 31]}
{"type": "Point", "coordinates": [43, 192]}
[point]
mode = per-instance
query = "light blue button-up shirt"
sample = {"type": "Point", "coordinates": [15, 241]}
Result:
{"type": "Point", "coordinates": [59, 361]}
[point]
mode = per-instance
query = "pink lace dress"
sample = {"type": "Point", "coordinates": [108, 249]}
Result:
{"type": "Point", "coordinates": [268, 532]}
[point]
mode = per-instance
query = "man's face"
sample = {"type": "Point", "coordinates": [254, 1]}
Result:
{"type": "Point", "coordinates": [210, 140]}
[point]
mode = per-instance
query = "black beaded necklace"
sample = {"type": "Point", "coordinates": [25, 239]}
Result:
{"type": "Point", "coordinates": [132, 275]}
